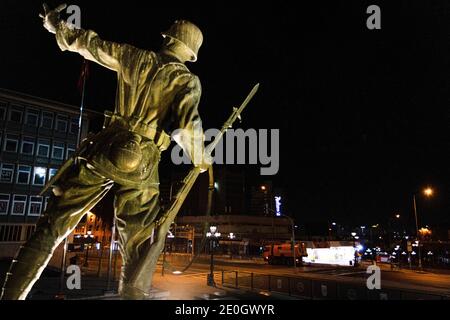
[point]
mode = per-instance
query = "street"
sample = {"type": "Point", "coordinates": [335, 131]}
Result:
{"type": "Point", "coordinates": [191, 284]}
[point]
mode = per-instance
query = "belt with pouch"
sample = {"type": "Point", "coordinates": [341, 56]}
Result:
{"type": "Point", "coordinates": [158, 136]}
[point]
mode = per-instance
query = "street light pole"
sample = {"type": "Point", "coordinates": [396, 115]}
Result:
{"type": "Point", "coordinates": [294, 254]}
{"type": "Point", "coordinates": [111, 249]}
{"type": "Point", "coordinates": [293, 241]}
{"type": "Point", "coordinates": [417, 232]}
{"type": "Point", "coordinates": [213, 236]}
{"type": "Point", "coordinates": [211, 267]}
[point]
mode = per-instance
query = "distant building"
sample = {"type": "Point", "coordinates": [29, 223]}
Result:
{"type": "Point", "coordinates": [36, 137]}
{"type": "Point", "coordinates": [249, 233]}
{"type": "Point", "coordinates": [230, 191]}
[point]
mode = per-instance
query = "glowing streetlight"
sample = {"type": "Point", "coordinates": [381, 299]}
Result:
{"type": "Point", "coordinates": [397, 216]}
{"type": "Point", "coordinates": [428, 192]}
{"type": "Point", "coordinates": [213, 237]}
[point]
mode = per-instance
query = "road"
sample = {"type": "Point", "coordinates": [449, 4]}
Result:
{"type": "Point", "coordinates": [434, 282]}
{"type": "Point", "coordinates": [192, 283]}
{"type": "Point", "coordinates": [404, 279]}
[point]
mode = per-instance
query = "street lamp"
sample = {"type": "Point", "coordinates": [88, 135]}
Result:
{"type": "Point", "coordinates": [88, 239]}
{"type": "Point", "coordinates": [213, 237]}
{"type": "Point", "coordinates": [428, 192]}
{"type": "Point", "coordinates": [168, 236]}
{"type": "Point", "coordinates": [231, 236]}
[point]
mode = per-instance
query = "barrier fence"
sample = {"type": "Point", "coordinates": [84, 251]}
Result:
{"type": "Point", "coordinates": [305, 288]}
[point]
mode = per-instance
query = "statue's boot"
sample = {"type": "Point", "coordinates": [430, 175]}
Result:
{"type": "Point", "coordinates": [25, 270]}
{"type": "Point", "coordinates": [131, 289]}
{"type": "Point", "coordinates": [132, 293]}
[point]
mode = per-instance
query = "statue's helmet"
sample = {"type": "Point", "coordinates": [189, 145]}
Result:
{"type": "Point", "coordinates": [188, 34]}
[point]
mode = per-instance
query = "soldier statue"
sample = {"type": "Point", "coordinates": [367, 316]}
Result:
{"type": "Point", "coordinates": [156, 95]}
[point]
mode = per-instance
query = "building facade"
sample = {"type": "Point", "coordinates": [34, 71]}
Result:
{"type": "Point", "coordinates": [36, 137]}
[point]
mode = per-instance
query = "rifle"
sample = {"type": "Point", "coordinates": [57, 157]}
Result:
{"type": "Point", "coordinates": [192, 176]}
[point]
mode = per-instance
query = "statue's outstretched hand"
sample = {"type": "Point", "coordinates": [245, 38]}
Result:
{"type": "Point", "coordinates": [51, 18]}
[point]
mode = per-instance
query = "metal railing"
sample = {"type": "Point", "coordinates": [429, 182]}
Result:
{"type": "Point", "coordinates": [306, 288]}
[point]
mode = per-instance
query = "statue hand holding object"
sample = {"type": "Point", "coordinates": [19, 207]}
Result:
{"type": "Point", "coordinates": [51, 18]}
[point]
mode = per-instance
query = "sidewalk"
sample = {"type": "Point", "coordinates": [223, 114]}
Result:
{"type": "Point", "coordinates": [187, 287]}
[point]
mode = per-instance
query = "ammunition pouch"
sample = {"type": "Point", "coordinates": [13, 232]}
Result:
{"type": "Point", "coordinates": [125, 151]}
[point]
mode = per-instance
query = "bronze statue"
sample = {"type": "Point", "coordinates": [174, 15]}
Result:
{"type": "Point", "coordinates": [156, 94]}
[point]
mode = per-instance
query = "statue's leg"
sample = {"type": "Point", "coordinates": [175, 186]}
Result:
{"type": "Point", "coordinates": [136, 210]}
{"type": "Point", "coordinates": [77, 191]}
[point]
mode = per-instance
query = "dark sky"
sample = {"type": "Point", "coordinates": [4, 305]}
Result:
{"type": "Point", "coordinates": [363, 115]}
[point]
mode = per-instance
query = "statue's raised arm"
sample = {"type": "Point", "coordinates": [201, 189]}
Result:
{"type": "Point", "coordinates": [86, 42]}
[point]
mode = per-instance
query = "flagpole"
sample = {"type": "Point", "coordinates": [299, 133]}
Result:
{"type": "Point", "coordinates": [80, 120]}
{"type": "Point", "coordinates": [63, 260]}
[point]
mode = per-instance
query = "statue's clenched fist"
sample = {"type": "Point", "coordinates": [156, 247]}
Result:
{"type": "Point", "coordinates": [51, 18]}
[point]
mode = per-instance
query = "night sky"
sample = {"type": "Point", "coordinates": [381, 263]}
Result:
{"type": "Point", "coordinates": [363, 114]}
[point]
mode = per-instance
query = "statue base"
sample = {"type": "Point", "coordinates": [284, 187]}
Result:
{"type": "Point", "coordinates": [155, 294]}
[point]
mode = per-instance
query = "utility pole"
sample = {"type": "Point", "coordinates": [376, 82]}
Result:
{"type": "Point", "coordinates": [417, 232]}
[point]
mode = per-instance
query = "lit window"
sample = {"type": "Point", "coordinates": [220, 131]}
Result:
{"type": "Point", "coordinates": [39, 176]}
{"type": "Point", "coordinates": [23, 174]}
{"type": "Point", "coordinates": [35, 206]}
{"type": "Point", "coordinates": [32, 117]}
{"type": "Point", "coordinates": [58, 150]}
{"type": "Point", "coordinates": [47, 120]}
{"type": "Point", "coordinates": [4, 203]}
{"type": "Point", "coordinates": [51, 173]}
{"type": "Point", "coordinates": [43, 148]}
{"type": "Point", "coordinates": [15, 115]}
{"type": "Point", "coordinates": [7, 172]}
{"type": "Point", "coordinates": [61, 124]}
{"type": "Point", "coordinates": [11, 143]}
{"type": "Point", "coordinates": [19, 204]}
{"type": "Point", "coordinates": [27, 146]}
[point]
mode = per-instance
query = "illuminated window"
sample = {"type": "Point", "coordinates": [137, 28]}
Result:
{"type": "Point", "coordinates": [58, 150]}
{"type": "Point", "coordinates": [51, 173]}
{"type": "Point", "coordinates": [19, 204]}
{"type": "Point", "coordinates": [35, 206]}
{"type": "Point", "coordinates": [23, 174]}
{"type": "Point", "coordinates": [4, 203]}
{"type": "Point", "coordinates": [27, 146]}
{"type": "Point", "coordinates": [39, 176]}
{"type": "Point", "coordinates": [7, 172]}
